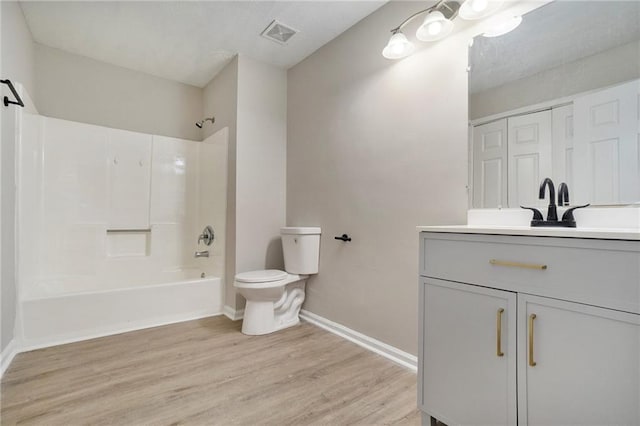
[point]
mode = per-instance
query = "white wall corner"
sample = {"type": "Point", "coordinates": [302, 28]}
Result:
{"type": "Point", "coordinates": [394, 354]}
{"type": "Point", "coordinates": [232, 314]}
{"type": "Point", "coordinates": [7, 356]}
{"type": "Point", "coordinates": [29, 105]}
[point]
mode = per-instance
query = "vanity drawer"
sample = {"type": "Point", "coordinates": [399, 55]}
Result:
{"type": "Point", "coordinates": [596, 272]}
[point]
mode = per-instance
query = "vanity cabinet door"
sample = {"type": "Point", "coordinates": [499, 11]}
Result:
{"type": "Point", "coordinates": [467, 351]}
{"type": "Point", "coordinates": [583, 367]}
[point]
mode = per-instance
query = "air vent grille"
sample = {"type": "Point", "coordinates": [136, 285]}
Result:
{"type": "Point", "coordinates": [278, 32]}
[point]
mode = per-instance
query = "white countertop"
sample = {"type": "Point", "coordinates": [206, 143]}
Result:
{"type": "Point", "coordinates": [599, 233]}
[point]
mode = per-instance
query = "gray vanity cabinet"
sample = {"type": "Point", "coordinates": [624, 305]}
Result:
{"type": "Point", "coordinates": [468, 353]}
{"type": "Point", "coordinates": [529, 330]}
{"type": "Point", "coordinates": [586, 364]}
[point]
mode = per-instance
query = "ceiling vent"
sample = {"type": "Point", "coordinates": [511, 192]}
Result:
{"type": "Point", "coordinates": [278, 32]}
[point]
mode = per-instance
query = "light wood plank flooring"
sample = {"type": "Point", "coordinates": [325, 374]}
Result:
{"type": "Point", "coordinates": [207, 372]}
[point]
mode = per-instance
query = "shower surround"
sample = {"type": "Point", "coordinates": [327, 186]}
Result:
{"type": "Point", "coordinates": [108, 223]}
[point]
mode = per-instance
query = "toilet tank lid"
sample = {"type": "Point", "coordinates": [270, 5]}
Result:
{"type": "Point", "coordinates": [263, 276]}
{"type": "Point", "coordinates": [308, 230]}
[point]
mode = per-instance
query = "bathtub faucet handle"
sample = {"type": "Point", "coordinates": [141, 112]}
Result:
{"type": "Point", "coordinates": [207, 235]}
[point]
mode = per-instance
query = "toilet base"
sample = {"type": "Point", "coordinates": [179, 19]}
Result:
{"type": "Point", "coordinates": [264, 317]}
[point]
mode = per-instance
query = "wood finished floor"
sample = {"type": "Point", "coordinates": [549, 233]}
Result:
{"type": "Point", "coordinates": [206, 372]}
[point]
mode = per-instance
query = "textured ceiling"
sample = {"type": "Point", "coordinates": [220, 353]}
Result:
{"type": "Point", "coordinates": [555, 34]}
{"type": "Point", "coordinates": [189, 41]}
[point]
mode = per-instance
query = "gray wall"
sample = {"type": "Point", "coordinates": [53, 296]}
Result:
{"type": "Point", "coordinates": [17, 65]}
{"type": "Point", "coordinates": [77, 88]}
{"type": "Point", "coordinates": [260, 166]}
{"type": "Point", "coordinates": [603, 69]}
{"type": "Point", "coordinates": [375, 148]}
{"type": "Point", "coordinates": [249, 97]}
{"type": "Point", "coordinates": [221, 101]}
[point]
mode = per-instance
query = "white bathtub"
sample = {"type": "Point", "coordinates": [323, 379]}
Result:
{"type": "Point", "coordinates": [64, 318]}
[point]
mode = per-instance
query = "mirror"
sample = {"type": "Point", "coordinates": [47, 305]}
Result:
{"type": "Point", "coordinates": [557, 97]}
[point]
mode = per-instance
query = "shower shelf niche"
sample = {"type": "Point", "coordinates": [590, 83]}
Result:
{"type": "Point", "coordinates": [128, 242]}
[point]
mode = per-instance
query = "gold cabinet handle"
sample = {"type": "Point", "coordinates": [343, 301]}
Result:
{"type": "Point", "coordinates": [532, 363]}
{"type": "Point", "coordinates": [499, 333]}
{"type": "Point", "coordinates": [517, 264]}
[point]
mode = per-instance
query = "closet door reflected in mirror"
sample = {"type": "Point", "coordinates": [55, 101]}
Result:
{"type": "Point", "coordinates": [529, 153]}
{"type": "Point", "coordinates": [490, 164]}
{"type": "Point", "coordinates": [607, 145]}
{"type": "Point", "coordinates": [511, 156]}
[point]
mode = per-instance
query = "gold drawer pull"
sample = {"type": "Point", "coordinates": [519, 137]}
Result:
{"type": "Point", "coordinates": [532, 363]}
{"type": "Point", "coordinates": [499, 333]}
{"type": "Point", "coordinates": [517, 264]}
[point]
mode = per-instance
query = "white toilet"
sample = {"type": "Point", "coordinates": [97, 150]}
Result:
{"type": "Point", "coordinates": [274, 297]}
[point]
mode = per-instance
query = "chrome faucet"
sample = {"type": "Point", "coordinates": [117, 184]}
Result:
{"type": "Point", "coordinates": [204, 253]}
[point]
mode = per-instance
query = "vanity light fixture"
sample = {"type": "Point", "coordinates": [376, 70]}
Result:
{"type": "Point", "coordinates": [438, 23]}
{"type": "Point", "coordinates": [398, 47]}
{"type": "Point", "coordinates": [434, 27]}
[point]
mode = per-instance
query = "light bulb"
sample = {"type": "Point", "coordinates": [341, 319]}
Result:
{"type": "Point", "coordinates": [478, 9]}
{"type": "Point", "coordinates": [478, 5]}
{"type": "Point", "coordinates": [398, 47]}
{"type": "Point", "coordinates": [434, 27]}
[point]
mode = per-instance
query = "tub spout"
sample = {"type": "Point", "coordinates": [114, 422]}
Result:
{"type": "Point", "coordinates": [204, 253]}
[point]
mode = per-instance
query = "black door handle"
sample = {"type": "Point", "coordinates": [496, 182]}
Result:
{"type": "Point", "coordinates": [343, 237]}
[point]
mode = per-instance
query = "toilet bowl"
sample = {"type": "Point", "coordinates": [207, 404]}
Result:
{"type": "Point", "coordinates": [271, 305]}
{"type": "Point", "coordinates": [274, 297]}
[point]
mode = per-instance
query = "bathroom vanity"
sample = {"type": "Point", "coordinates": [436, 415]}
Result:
{"type": "Point", "coordinates": [529, 326]}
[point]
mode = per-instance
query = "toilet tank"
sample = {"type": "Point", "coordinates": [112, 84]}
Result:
{"type": "Point", "coordinates": [301, 248]}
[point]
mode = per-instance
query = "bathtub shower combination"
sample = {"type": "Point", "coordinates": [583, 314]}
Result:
{"type": "Point", "coordinates": [108, 225]}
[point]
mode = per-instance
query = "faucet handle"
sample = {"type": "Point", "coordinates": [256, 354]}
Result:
{"type": "Point", "coordinates": [207, 235]}
{"type": "Point", "coordinates": [537, 215]}
{"type": "Point", "coordinates": [568, 215]}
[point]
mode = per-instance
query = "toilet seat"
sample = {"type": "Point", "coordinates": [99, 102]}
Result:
{"type": "Point", "coordinates": [262, 276]}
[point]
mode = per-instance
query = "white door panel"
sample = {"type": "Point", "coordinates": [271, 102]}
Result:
{"type": "Point", "coordinates": [490, 165]}
{"type": "Point", "coordinates": [562, 145]}
{"type": "Point", "coordinates": [606, 147]}
{"type": "Point", "coordinates": [529, 163]}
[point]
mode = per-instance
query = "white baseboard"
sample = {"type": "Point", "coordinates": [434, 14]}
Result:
{"type": "Point", "coordinates": [394, 354]}
{"type": "Point", "coordinates": [7, 356]}
{"type": "Point", "coordinates": [232, 314]}
{"type": "Point", "coordinates": [30, 345]}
